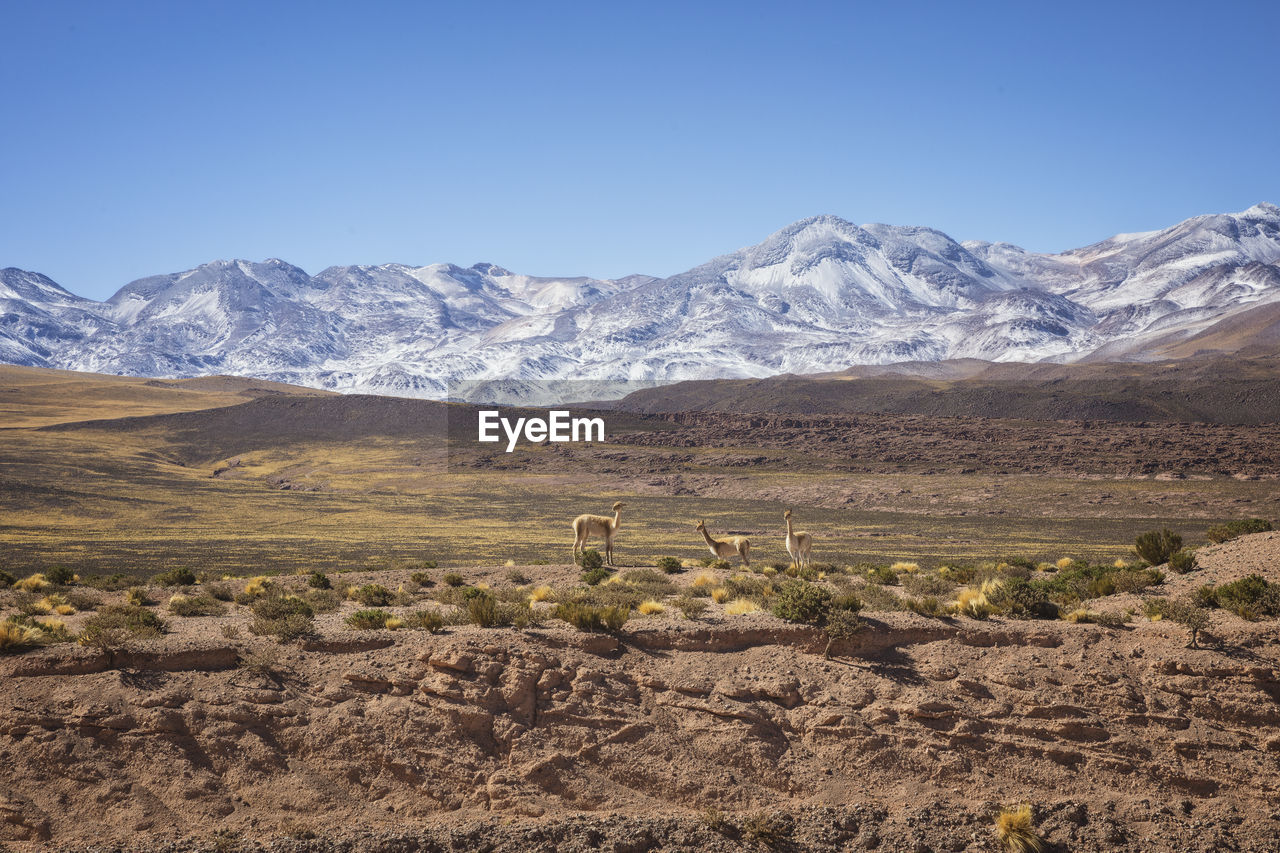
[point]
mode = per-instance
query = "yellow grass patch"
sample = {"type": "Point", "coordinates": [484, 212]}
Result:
{"type": "Point", "coordinates": [651, 608]}
{"type": "Point", "coordinates": [394, 622]}
{"type": "Point", "coordinates": [1016, 832]}
{"type": "Point", "coordinates": [741, 606]}
{"type": "Point", "coordinates": [1064, 563]}
{"type": "Point", "coordinates": [540, 593]}
{"type": "Point", "coordinates": [257, 585]}
{"type": "Point", "coordinates": [706, 579]}
{"type": "Point", "coordinates": [904, 566]}
{"type": "Point", "coordinates": [32, 583]}
{"type": "Point", "coordinates": [720, 595]}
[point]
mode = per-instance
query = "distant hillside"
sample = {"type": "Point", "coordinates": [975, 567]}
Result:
{"type": "Point", "coordinates": [1209, 390]}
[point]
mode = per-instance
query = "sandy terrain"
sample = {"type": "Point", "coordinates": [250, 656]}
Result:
{"type": "Point", "coordinates": [911, 739]}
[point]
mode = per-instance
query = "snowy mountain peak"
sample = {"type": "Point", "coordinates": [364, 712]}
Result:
{"type": "Point", "coordinates": [820, 294]}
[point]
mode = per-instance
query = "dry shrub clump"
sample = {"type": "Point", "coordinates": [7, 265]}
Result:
{"type": "Point", "coordinates": [284, 617]}
{"type": "Point", "coordinates": [195, 605]}
{"type": "Point", "coordinates": [586, 617]}
{"type": "Point", "coordinates": [540, 593]}
{"type": "Point", "coordinates": [1015, 831]}
{"type": "Point", "coordinates": [19, 633]}
{"type": "Point", "coordinates": [32, 583]}
{"type": "Point", "coordinates": [905, 566]}
{"type": "Point", "coordinates": [741, 607]}
{"type": "Point", "coordinates": [368, 620]}
{"type": "Point", "coordinates": [651, 608]}
{"type": "Point", "coordinates": [720, 594]}
{"type": "Point", "coordinates": [425, 620]}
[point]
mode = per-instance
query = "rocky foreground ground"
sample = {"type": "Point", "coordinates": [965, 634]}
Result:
{"type": "Point", "coordinates": [722, 733]}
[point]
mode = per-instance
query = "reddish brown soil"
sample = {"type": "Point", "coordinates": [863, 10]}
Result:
{"type": "Point", "coordinates": [911, 739]}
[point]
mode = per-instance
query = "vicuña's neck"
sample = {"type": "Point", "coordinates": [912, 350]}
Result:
{"type": "Point", "coordinates": [707, 536]}
{"type": "Point", "coordinates": [788, 526]}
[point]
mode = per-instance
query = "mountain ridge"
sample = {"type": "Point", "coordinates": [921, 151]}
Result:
{"type": "Point", "coordinates": [817, 296]}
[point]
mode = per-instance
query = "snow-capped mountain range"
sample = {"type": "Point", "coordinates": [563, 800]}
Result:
{"type": "Point", "coordinates": [819, 295]}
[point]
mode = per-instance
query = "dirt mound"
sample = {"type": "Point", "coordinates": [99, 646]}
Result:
{"type": "Point", "coordinates": [547, 739]}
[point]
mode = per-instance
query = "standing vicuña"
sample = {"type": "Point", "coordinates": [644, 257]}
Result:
{"type": "Point", "coordinates": [798, 544]}
{"type": "Point", "coordinates": [585, 526]}
{"type": "Point", "coordinates": [726, 548]}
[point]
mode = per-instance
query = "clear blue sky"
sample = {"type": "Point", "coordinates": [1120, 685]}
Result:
{"type": "Point", "coordinates": [609, 138]}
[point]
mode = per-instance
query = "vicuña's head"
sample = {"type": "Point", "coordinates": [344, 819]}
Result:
{"type": "Point", "coordinates": [701, 525]}
{"type": "Point", "coordinates": [787, 514]}
{"type": "Point", "coordinates": [617, 506]}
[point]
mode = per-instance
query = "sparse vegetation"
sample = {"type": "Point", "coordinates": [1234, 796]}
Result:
{"type": "Point", "coordinates": [800, 601]}
{"type": "Point", "coordinates": [1226, 532]}
{"type": "Point", "coordinates": [841, 626]}
{"type": "Point", "coordinates": [282, 616]}
{"type": "Point", "coordinates": [195, 605]}
{"type": "Point", "coordinates": [319, 580]}
{"type": "Point", "coordinates": [651, 608]}
{"type": "Point", "coordinates": [422, 579]}
{"type": "Point", "coordinates": [372, 595]}
{"type": "Point", "coordinates": [586, 617]}
{"type": "Point", "coordinates": [425, 620]}
{"type": "Point", "coordinates": [452, 579]}
{"type": "Point", "coordinates": [690, 606]}
{"type": "Point", "coordinates": [115, 626]}
{"type": "Point", "coordinates": [590, 559]}
{"type": "Point", "coordinates": [1016, 832]}
{"type": "Point", "coordinates": [591, 577]}
{"type": "Point", "coordinates": [60, 575]}
{"type": "Point", "coordinates": [1157, 546]}
{"type": "Point", "coordinates": [1183, 561]}
{"type": "Point", "coordinates": [1189, 614]}
{"type": "Point", "coordinates": [741, 607]}
{"type": "Point", "coordinates": [180, 576]}
{"type": "Point", "coordinates": [32, 583]}
{"type": "Point", "coordinates": [768, 829]}
{"type": "Point", "coordinates": [1250, 597]}
{"type": "Point", "coordinates": [670, 565]}
{"type": "Point", "coordinates": [6, 580]}
{"type": "Point", "coordinates": [368, 620]}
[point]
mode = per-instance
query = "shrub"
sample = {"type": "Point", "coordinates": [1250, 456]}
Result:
{"type": "Point", "coordinates": [1205, 596]}
{"type": "Point", "coordinates": [670, 565]}
{"type": "Point", "coordinates": [651, 608]}
{"type": "Point", "coordinates": [115, 625]}
{"type": "Point", "coordinates": [590, 559]}
{"type": "Point", "coordinates": [842, 625]}
{"type": "Point", "coordinates": [849, 601]}
{"type": "Point", "coordinates": [453, 579]}
{"type": "Point", "coordinates": [1134, 580]}
{"type": "Point", "coordinates": [422, 579]}
{"type": "Point", "coordinates": [691, 607]}
{"type": "Point", "coordinates": [927, 606]}
{"type": "Point", "coordinates": [1250, 597]}
{"type": "Point", "coordinates": [195, 605]}
{"type": "Point", "coordinates": [255, 587]}
{"type": "Point", "coordinates": [591, 577]}
{"type": "Point", "coordinates": [7, 580]}
{"type": "Point", "coordinates": [927, 584]}
{"type": "Point", "coordinates": [482, 610]}
{"type": "Point", "coordinates": [1084, 616]}
{"type": "Point", "coordinates": [517, 577]}
{"type": "Point", "coordinates": [1188, 614]}
{"type": "Point", "coordinates": [319, 580]}
{"type": "Point", "coordinates": [800, 601]}
{"type": "Point", "coordinates": [425, 620]}
{"type": "Point", "coordinates": [586, 617]}
{"type": "Point", "coordinates": [323, 600]}
{"type": "Point", "coordinates": [373, 595]}
{"type": "Point", "coordinates": [1015, 831]}
{"type": "Point", "coordinates": [368, 620]}
{"type": "Point", "coordinates": [720, 565]}
{"type": "Point", "coordinates": [1157, 546]}
{"type": "Point", "coordinates": [769, 830]}
{"type": "Point", "coordinates": [281, 616]}
{"type": "Point", "coordinates": [180, 576]}
{"type": "Point", "coordinates": [60, 575]}
{"type": "Point", "coordinates": [17, 636]}
{"type": "Point", "coordinates": [876, 597]}
{"type": "Point", "coordinates": [882, 575]}
{"type": "Point", "coordinates": [1232, 529]}
{"type": "Point", "coordinates": [1025, 600]}
{"type": "Point", "coordinates": [1183, 561]}
{"type": "Point", "coordinates": [221, 591]}
{"type": "Point", "coordinates": [138, 596]}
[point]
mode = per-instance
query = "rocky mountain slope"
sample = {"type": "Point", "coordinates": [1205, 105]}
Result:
{"type": "Point", "coordinates": [819, 295]}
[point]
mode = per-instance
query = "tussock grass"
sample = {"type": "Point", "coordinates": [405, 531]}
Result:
{"type": "Point", "coordinates": [905, 566]}
{"type": "Point", "coordinates": [540, 593]}
{"type": "Point", "coordinates": [1065, 563]}
{"type": "Point", "coordinates": [706, 579]}
{"type": "Point", "coordinates": [741, 607]}
{"type": "Point", "coordinates": [32, 583]}
{"type": "Point", "coordinates": [651, 608]}
{"type": "Point", "coordinates": [720, 594]}
{"type": "Point", "coordinates": [1016, 832]}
